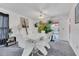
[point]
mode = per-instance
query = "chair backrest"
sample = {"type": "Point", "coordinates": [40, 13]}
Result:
{"type": "Point", "coordinates": [20, 36]}
{"type": "Point", "coordinates": [47, 37]}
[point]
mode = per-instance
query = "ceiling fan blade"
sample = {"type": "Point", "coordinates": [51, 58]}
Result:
{"type": "Point", "coordinates": [46, 6]}
{"type": "Point", "coordinates": [56, 16]}
{"type": "Point", "coordinates": [42, 8]}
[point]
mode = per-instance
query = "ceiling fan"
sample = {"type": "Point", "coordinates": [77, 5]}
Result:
{"type": "Point", "coordinates": [44, 12]}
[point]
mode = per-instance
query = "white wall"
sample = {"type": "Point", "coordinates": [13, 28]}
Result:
{"type": "Point", "coordinates": [63, 28]}
{"type": "Point", "coordinates": [13, 17]}
{"type": "Point", "coordinates": [74, 34]}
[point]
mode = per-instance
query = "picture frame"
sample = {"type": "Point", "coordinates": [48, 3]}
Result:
{"type": "Point", "coordinates": [77, 14]}
{"type": "Point", "coordinates": [24, 23]}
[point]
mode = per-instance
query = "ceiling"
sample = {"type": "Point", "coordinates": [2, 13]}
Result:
{"type": "Point", "coordinates": [34, 10]}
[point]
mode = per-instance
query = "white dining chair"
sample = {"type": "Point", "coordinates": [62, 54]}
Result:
{"type": "Point", "coordinates": [43, 42]}
{"type": "Point", "coordinates": [21, 38]}
{"type": "Point", "coordinates": [46, 39]}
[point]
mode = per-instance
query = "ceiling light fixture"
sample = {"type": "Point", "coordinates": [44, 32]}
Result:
{"type": "Point", "coordinates": [41, 16]}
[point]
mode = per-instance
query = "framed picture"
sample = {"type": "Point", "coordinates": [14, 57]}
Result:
{"type": "Point", "coordinates": [24, 23]}
{"type": "Point", "coordinates": [77, 14]}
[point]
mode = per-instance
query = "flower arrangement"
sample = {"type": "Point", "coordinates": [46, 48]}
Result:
{"type": "Point", "coordinates": [44, 26]}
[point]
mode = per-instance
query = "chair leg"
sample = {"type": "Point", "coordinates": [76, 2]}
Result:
{"type": "Point", "coordinates": [42, 49]}
{"type": "Point", "coordinates": [47, 46]}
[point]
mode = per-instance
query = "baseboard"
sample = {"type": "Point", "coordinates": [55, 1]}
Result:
{"type": "Point", "coordinates": [73, 48]}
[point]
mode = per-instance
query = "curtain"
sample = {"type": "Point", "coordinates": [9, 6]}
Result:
{"type": "Point", "coordinates": [4, 26]}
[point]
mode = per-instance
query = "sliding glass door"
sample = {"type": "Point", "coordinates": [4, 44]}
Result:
{"type": "Point", "coordinates": [4, 27]}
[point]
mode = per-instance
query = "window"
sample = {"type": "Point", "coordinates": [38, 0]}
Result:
{"type": "Point", "coordinates": [4, 27]}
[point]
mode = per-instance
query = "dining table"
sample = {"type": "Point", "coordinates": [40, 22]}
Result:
{"type": "Point", "coordinates": [37, 40]}
{"type": "Point", "coordinates": [33, 40]}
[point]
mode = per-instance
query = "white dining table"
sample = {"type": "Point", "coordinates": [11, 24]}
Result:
{"type": "Point", "coordinates": [36, 39]}
{"type": "Point", "coordinates": [31, 41]}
